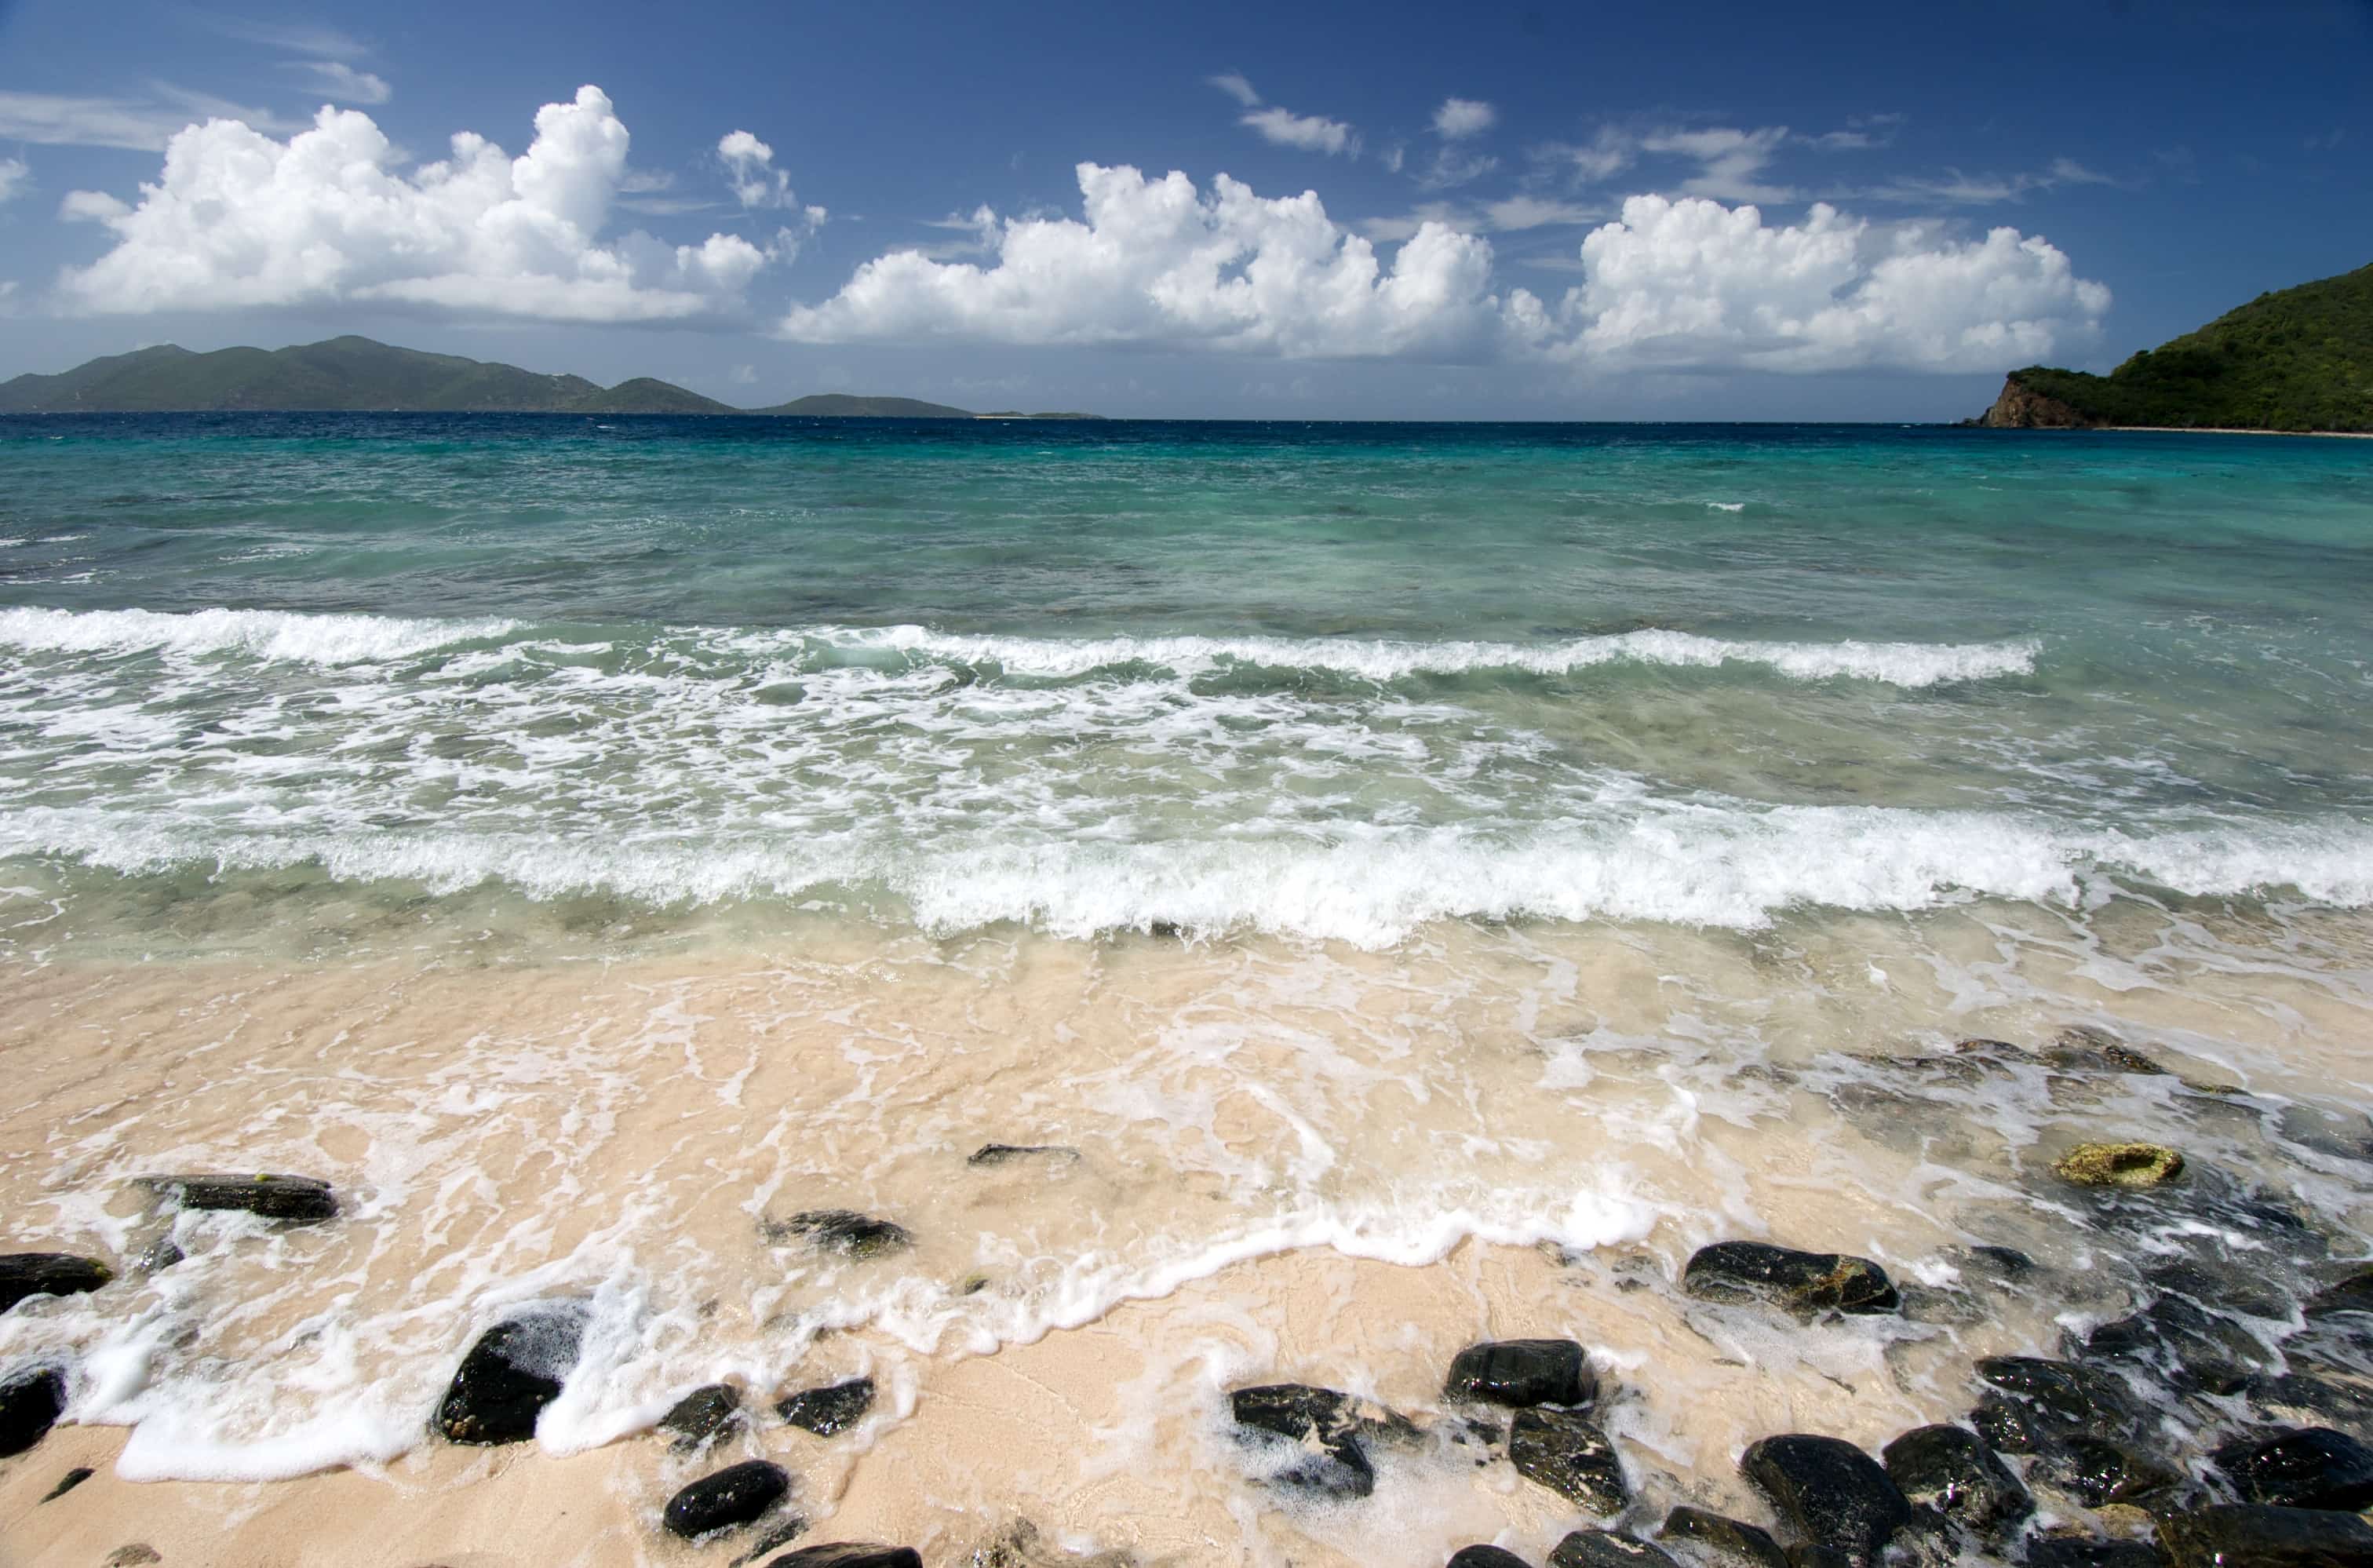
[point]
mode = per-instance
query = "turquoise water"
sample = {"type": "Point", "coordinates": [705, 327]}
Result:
{"type": "Point", "coordinates": [1338, 681]}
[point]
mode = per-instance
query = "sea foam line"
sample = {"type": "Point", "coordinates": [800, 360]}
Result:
{"type": "Point", "coordinates": [260, 634]}
{"type": "Point", "coordinates": [1894, 664]}
{"type": "Point", "coordinates": [1730, 868]}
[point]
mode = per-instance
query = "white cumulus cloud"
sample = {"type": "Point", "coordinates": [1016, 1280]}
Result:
{"type": "Point", "coordinates": [1460, 117]}
{"type": "Point", "coordinates": [1687, 284]}
{"type": "Point", "coordinates": [238, 218]}
{"type": "Point", "coordinates": [1158, 262]}
{"type": "Point", "coordinates": [1692, 284]}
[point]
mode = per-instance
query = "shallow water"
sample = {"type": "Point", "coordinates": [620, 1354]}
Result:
{"type": "Point", "coordinates": [1434, 878]}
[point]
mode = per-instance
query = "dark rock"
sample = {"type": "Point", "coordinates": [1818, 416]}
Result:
{"type": "Point", "coordinates": [1831, 1492]}
{"type": "Point", "coordinates": [701, 1415]}
{"type": "Point", "coordinates": [1949, 1468]}
{"type": "Point", "coordinates": [1730, 1540]}
{"type": "Point", "coordinates": [849, 1554]}
{"type": "Point", "coordinates": [2097, 1471]}
{"type": "Point", "coordinates": [30, 1403]}
{"type": "Point", "coordinates": [68, 1481]}
{"type": "Point", "coordinates": [774, 1536]}
{"type": "Point", "coordinates": [734, 1496]}
{"type": "Point", "coordinates": [2224, 1289]}
{"type": "Point", "coordinates": [1340, 1426]}
{"type": "Point", "coordinates": [2184, 1346]}
{"type": "Point", "coordinates": [1604, 1549]}
{"type": "Point", "coordinates": [1485, 1557]}
{"type": "Point", "coordinates": [2007, 1262]}
{"type": "Point", "coordinates": [2354, 1293]}
{"type": "Point", "coordinates": [158, 1256]}
{"type": "Point", "coordinates": [1565, 1452]}
{"type": "Point", "coordinates": [834, 1408]}
{"type": "Point", "coordinates": [2346, 1135]}
{"type": "Point", "coordinates": [2317, 1468]}
{"type": "Point", "coordinates": [2041, 1401]}
{"type": "Point", "coordinates": [298, 1199]}
{"type": "Point", "coordinates": [133, 1554]}
{"type": "Point", "coordinates": [844, 1231]}
{"type": "Point", "coordinates": [1006, 1153]}
{"type": "Point", "coordinates": [514, 1370]}
{"type": "Point", "coordinates": [1801, 1282]}
{"type": "Point", "coordinates": [1808, 1554]}
{"type": "Point", "coordinates": [2299, 1400]}
{"type": "Point", "coordinates": [26, 1274]}
{"type": "Point", "coordinates": [1523, 1371]}
{"type": "Point", "coordinates": [2079, 1048]}
{"type": "Point", "coordinates": [2253, 1536]}
{"type": "Point", "coordinates": [2080, 1552]}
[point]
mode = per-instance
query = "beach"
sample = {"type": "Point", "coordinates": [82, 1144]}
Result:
{"type": "Point", "coordinates": [1243, 906]}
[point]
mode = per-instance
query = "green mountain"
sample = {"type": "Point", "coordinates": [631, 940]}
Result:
{"type": "Point", "coordinates": [840, 406]}
{"type": "Point", "coordinates": [2297, 360]}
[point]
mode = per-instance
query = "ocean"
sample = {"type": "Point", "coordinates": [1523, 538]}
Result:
{"type": "Point", "coordinates": [1423, 880]}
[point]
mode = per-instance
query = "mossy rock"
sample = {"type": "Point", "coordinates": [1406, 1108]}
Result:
{"type": "Point", "coordinates": [2119, 1164]}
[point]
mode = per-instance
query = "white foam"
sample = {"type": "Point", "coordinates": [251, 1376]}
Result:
{"type": "Point", "coordinates": [1911, 664]}
{"type": "Point", "coordinates": [260, 634]}
{"type": "Point", "coordinates": [1735, 866]}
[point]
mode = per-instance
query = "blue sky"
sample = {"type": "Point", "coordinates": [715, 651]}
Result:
{"type": "Point", "coordinates": [1379, 211]}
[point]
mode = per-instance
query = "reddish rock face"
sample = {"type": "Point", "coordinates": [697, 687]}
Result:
{"type": "Point", "coordinates": [2021, 408]}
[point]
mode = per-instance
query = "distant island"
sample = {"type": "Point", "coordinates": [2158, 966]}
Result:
{"type": "Point", "coordinates": [357, 375]}
{"type": "Point", "coordinates": [2297, 359]}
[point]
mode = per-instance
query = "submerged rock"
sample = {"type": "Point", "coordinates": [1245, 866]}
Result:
{"type": "Point", "coordinates": [2354, 1293]}
{"type": "Point", "coordinates": [736, 1495]}
{"type": "Point", "coordinates": [2040, 1401]}
{"type": "Point", "coordinates": [1565, 1451]}
{"type": "Point", "coordinates": [1007, 1153]}
{"type": "Point", "coordinates": [2250, 1535]}
{"type": "Point", "coordinates": [1801, 1282]}
{"type": "Point", "coordinates": [1831, 1492]}
{"type": "Point", "coordinates": [30, 1403]}
{"type": "Point", "coordinates": [832, 1409]}
{"type": "Point", "coordinates": [1950, 1469]}
{"type": "Point", "coordinates": [701, 1415]}
{"type": "Point", "coordinates": [2080, 1049]}
{"type": "Point", "coordinates": [844, 1231]}
{"type": "Point", "coordinates": [1604, 1549]}
{"type": "Point", "coordinates": [2182, 1345]}
{"type": "Point", "coordinates": [2119, 1164]}
{"type": "Point", "coordinates": [1517, 1372]}
{"type": "Point", "coordinates": [1732, 1540]}
{"type": "Point", "coordinates": [24, 1274]}
{"type": "Point", "coordinates": [68, 1481]}
{"type": "Point", "coordinates": [2087, 1552]}
{"type": "Point", "coordinates": [849, 1554]}
{"type": "Point", "coordinates": [2300, 1400]}
{"type": "Point", "coordinates": [2102, 1471]}
{"type": "Point", "coordinates": [303, 1200]}
{"type": "Point", "coordinates": [1334, 1426]}
{"type": "Point", "coordinates": [2317, 1468]}
{"type": "Point", "coordinates": [514, 1370]}
{"type": "Point", "coordinates": [1485, 1557]}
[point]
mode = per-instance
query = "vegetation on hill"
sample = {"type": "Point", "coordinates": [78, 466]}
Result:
{"type": "Point", "coordinates": [841, 405]}
{"type": "Point", "coordinates": [2297, 360]}
{"type": "Point", "coordinates": [359, 375]}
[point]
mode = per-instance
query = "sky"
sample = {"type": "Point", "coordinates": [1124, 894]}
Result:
{"type": "Point", "coordinates": [1525, 211]}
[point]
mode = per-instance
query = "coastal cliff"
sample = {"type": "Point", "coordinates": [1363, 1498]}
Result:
{"type": "Point", "coordinates": [2021, 408]}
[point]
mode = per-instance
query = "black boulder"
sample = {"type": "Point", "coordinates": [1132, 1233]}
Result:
{"type": "Point", "coordinates": [30, 1404]}
{"type": "Point", "coordinates": [303, 1200]}
{"type": "Point", "coordinates": [834, 1408]}
{"type": "Point", "coordinates": [2317, 1468]}
{"type": "Point", "coordinates": [1485, 1557]}
{"type": "Point", "coordinates": [701, 1414]}
{"type": "Point", "coordinates": [2253, 1536]}
{"type": "Point", "coordinates": [1604, 1549]}
{"type": "Point", "coordinates": [24, 1274]}
{"type": "Point", "coordinates": [1732, 1540]}
{"type": "Point", "coordinates": [1831, 1492]}
{"type": "Point", "coordinates": [734, 1496]}
{"type": "Point", "coordinates": [849, 1554]}
{"type": "Point", "coordinates": [1801, 1282]}
{"type": "Point", "coordinates": [1566, 1452]}
{"type": "Point", "coordinates": [1950, 1469]}
{"type": "Point", "coordinates": [514, 1370]}
{"type": "Point", "coordinates": [1523, 1371]}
